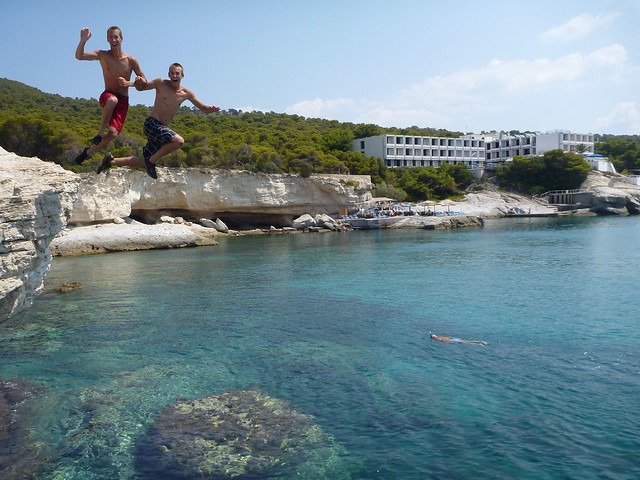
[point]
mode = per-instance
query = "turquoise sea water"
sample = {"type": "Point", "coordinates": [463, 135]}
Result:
{"type": "Point", "coordinates": [337, 325]}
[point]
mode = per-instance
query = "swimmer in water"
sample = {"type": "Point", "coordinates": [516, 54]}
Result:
{"type": "Point", "coordinates": [456, 340]}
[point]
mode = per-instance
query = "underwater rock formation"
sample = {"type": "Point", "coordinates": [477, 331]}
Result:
{"type": "Point", "coordinates": [238, 433]}
{"type": "Point", "coordinates": [17, 452]}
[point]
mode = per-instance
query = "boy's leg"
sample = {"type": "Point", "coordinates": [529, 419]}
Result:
{"type": "Point", "coordinates": [108, 137]}
{"type": "Point", "coordinates": [128, 162]}
{"type": "Point", "coordinates": [107, 110]}
{"type": "Point", "coordinates": [176, 142]}
{"type": "Point", "coordinates": [150, 163]}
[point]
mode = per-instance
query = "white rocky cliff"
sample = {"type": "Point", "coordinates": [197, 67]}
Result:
{"type": "Point", "coordinates": [35, 202]}
{"type": "Point", "coordinates": [207, 193]}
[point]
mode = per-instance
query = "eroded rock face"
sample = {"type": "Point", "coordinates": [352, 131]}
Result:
{"type": "Point", "coordinates": [210, 193]}
{"type": "Point", "coordinates": [238, 433]}
{"type": "Point", "coordinates": [36, 198]}
{"type": "Point", "coordinates": [612, 195]}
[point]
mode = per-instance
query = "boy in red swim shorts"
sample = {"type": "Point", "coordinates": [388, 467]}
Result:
{"type": "Point", "coordinates": [114, 114]}
{"type": "Point", "coordinates": [117, 67]}
{"type": "Point", "coordinates": [161, 140]}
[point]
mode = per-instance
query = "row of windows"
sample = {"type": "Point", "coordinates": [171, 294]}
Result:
{"type": "Point", "coordinates": [510, 143]}
{"type": "Point", "coordinates": [572, 137]}
{"type": "Point", "coordinates": [421, 163]}
{"type": "Point", "coordinates": [444, 142]}
{"type": "Point", "coordinates": [426, 152]}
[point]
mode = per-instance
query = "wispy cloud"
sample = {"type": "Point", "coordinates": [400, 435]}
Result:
{"type": "Point", "coordinates": [625, 115]}
{"type": "Point", "coordinates": [472, 96]}
{"type": "Point", "coordinates": [578, 27]}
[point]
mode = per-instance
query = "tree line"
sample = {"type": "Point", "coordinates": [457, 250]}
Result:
{"type": "Point", "coordinates": [56, 128]}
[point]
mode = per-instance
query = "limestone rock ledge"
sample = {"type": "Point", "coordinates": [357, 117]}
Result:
{"type": "Point", "coordinates": [36, 199]}
{"type": "Point", "coordinates": [209, 193]}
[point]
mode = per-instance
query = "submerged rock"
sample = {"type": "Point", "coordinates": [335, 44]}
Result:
{"type": "Point", "coordinates": [239, 433]}
{"type": "Point", "coordinates": [67, 287]}
{"type": "Point", "coordinates": [18, 453]}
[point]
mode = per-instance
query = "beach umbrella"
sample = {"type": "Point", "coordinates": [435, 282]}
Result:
{"type": "Point", "coordinates": [448, 203]}
{"type": "Point", "coordinates": [427, 204]}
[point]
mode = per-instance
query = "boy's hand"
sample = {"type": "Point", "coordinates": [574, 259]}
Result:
{"type": "Point", "coordinates": [124, 82]}
{"type": "Point", "coordinates": [85, 34]}
{"type": "Point", "coordinates": [139, 83]}
{"type": "Point", "coordinates": [211, 109]}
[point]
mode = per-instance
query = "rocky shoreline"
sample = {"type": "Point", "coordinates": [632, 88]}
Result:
{"type": "Point", "coordinates": [127, 234]}
{"type": "Point", "coordinates": [47, 211]}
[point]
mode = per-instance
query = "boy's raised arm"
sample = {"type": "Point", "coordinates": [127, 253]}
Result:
{"type": "Point", "coordinates": [85, 35]}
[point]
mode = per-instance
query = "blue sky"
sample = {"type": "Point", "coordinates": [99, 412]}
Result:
{"type": "Point", "coordinates": [461, 65]}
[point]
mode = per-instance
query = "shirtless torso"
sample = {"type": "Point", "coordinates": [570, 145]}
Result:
{"type": "Point", "coordinates": [115, 65]}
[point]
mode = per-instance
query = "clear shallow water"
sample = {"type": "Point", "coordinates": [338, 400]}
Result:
{"type": "Point", "coordinates": [337, 325]}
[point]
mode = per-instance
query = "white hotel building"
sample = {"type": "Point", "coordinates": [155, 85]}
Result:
{"type": "Point", "coordinates": [469, 150]}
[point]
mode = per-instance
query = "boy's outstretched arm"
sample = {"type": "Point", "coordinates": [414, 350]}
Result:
{"type": "Point", "coordinates": [85, 35]}
{"type": "Point", "coordinates": [201, 106]}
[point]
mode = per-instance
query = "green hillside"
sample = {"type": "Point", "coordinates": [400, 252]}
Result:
{"type": "Point", "coordinates": [56, 129]}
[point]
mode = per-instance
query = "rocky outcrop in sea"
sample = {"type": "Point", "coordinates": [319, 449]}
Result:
{"type": "Point", "coordinates": [245, 434]}
{"type": "Point", "coordinates": [36, 199]}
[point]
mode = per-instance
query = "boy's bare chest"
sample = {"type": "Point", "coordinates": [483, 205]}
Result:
{"type": "Point", "coordinates": [117, 65]}
{"type": "Point", "coordinates": [170, 96]}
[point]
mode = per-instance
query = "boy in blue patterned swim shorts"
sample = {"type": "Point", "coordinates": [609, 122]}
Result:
{"type": "Point", "coordinates": [161, 140]}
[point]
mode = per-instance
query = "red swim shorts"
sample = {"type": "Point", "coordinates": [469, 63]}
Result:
{"type": "Point", "coordinates": [119, 112]}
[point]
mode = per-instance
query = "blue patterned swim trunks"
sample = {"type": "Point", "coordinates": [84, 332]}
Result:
{"type": "Point", "coordinates": [157, 136]}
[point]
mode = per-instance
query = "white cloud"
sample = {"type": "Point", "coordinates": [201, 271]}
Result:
{"type": "Point", "coordinates": [322, 108]}
{"type": "Point", "coordinates": [500, 92]}
{"type": "Point", "coordinates": [625, 115]}
{"type": "Point", "coordinates": [578, 27]}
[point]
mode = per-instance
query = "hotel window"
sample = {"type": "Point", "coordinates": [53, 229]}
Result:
{"type": "Point", "coordinates": [426, 152]}
{"type": "Point", "coordinates": [399, 151]}
{"type": "Point", "coordinates": [408, 151]}
{"type": "Point", "coordinates": [458, 153]}
{"type": "Point", "coordinates": [449, 143]}
{"type": "Point", "coordinates": [451, 153]}
{"type": "Point", "coordinates": [443, 142]}
{"type": "Point", "coordinates": [481, 143]}
{"type": "Point", "coordinates": [466, 143]}
{"type": "Point", "coordinates": [409, 141]}
{"type": "Point", "coordinates": [390, 140]}
{"type": "Point", "coordinates": [399, 140]}
{"type": "Point", "coordinates": [417, 141]}
{"type": "Point", "coordinates": [362, 145]}
{"type": "Point", "coordinates": [474, 143]}
{"type": "Point", "coordinates": [434, 141]}
{"type": "Point", "coordinates": [390, 151]}
{"type": "Point", "coordinates": [458, 143]}
{"type": "Point", "coordinates": [443, 153]}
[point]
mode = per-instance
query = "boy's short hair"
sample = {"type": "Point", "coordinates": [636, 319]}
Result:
{"type": "Point", "coordinates": [115, 29]}
{"type": "Point", "coordinates": [176, 64]}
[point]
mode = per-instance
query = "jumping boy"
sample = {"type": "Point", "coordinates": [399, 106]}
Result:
{"type": "Point", "coordinates": [161, 140]}
{"type": "Point", "coordinates": [116, 70]}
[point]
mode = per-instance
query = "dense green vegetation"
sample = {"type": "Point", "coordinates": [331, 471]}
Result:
{"type": "Point", "coordinates": [56, 128]}
{"type": "Point", "coordinates": [623, 151]}
{"type": "Point", "coordinates": [555, 170]}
